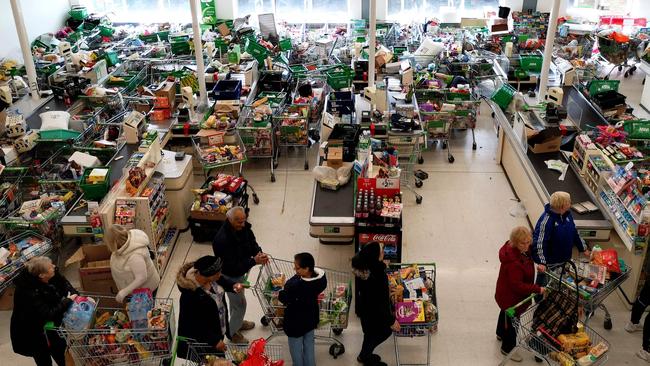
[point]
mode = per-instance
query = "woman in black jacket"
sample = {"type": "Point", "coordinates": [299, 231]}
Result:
{"type": "Point", "coordinates": [203, 314]}
{"type": "Point", "coordinates": [301, 316]}
{"type": "Point", "coordinates": [42, 296]}
{"type": "Point", "coordinates": [372, 301]}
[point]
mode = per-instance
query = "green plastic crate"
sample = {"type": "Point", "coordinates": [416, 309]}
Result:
{"type": "Point", "coordinates": [259, 52]}
{"type": "Point", "coordinates": [285, 44]}
{"type": "Point", "coordinates": [532, 63]}
{"type": "Point", "coordinates": [521, 74]}
{"type": "Point", "coordinates": [503, 96]}
{"type": "Point", "coordinates": [106, 31]}
{"type": "Point", "coordinates": [93, 192]}
{"type": "Point", "coordinates": [637, 129]}
{"type": "Point", "coordinates": [339, 80]}
{"type": "Point", "coordinates": [153, 37]}
{"type": "Point", "coordinates": [78, 13]}
{"type": "Point", "coordinates": [112, 58]}
{"type": "Point", "coordinates": [58, 135]}
{"type": "Point", "coordinates": [599, 86]}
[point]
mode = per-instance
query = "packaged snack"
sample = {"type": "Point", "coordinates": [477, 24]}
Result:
{"type": "Point", "coordinates": [278, 280]}
{"type": "Point", "coordinates": [607, 258]}
{"type": "Point", "coordinates": [599, 349]}
{"type": "Point", "coordinates": [409, 312]}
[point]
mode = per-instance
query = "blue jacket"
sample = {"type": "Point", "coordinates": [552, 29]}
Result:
{"type": "Point", "coordinates": [554, 238]}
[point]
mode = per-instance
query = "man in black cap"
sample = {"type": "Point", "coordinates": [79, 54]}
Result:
{"type": "Point", "coordinates": [203, 315]}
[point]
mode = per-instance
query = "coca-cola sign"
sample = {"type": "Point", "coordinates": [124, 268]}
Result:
{"type": "Point", "coordinates": [386, 239]}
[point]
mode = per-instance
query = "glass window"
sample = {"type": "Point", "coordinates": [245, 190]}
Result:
{"type": "Point", "coordinates": [142, 11]}
{"type": "Point", "coordinates": [416, 10]}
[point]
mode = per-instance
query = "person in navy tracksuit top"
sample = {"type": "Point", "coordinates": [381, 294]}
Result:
{"type": "Point", "coordinates": [555, 235]}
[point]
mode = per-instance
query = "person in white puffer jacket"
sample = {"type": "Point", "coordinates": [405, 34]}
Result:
{"type": "Point", "coordinates": [131, 264]}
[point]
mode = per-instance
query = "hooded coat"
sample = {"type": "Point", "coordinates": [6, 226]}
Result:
{"type": "Point", "coordinates": [198, 317]}
{"type": "Point", "coordinates": [373, 298]}
{"type": "Point", "coordinates": [35, 304]}
{"type": "Point", "coordinates": [131, 265]}
{"type": "Point", "coordinates": [554, 238]}
{"type": "Point", "coordinates": [300, 295]}
{"type": "Point", "coordinates": [516, 278]}
{"type": "Point", "coordinates": [236, 249]}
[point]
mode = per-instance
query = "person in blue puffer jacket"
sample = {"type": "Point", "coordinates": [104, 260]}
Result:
{"type": "Point", "coordinates": [555, 235]}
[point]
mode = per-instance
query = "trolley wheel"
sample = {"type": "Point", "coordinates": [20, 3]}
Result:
{"type": "Point", "coordinates": [620, 68]}
{"type": "Point", "coordinates": [306, 166]}
{"type": "Point", "coordinates": [451, 159]}
{"type": "Point", "coordinates": [627, 73]}
{"type": "Point", "coordinates": [418, 200]}
{"type": "Point", "coordinates": [444, 145]}
{"type": "Point", "coordinates": [632, 69]}
{"type": "Point", "coordinates": [538, 360]}
{"type": "Point", "coordinates": [272, 178]}
{"type": "Point", "coordinates": [607, 77]}
{"type": "Point", "coordinates": [607, 324]}
{"type": "Point", "coordinates": [336, 350]}
{"type": "Point", "coordinates": [256, 200]}
{"type": "Point", "coordinates": [474, 146]}
{"type": "Point", "coordinates": [337, 331]}
{"type": "Point", "coordinates": [265, 321]}
{"type": "Point", "coordinates": [420, 160]}
{"type": "Point", "coordinates": [418, 183]}
{"type": "Point", "coordinates": [275, 164]}
{"type": "Point", "coordinates": [493, 115]}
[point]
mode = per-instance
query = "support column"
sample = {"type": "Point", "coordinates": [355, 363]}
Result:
{"type": "Point", "coordinates": [25, 48]}
{"type": "Point", "coordinates": [372, 42]}
{"type": "Point", "coordinates": [548, 50]}
{"type": "Point", "coordinates": [198, 53]}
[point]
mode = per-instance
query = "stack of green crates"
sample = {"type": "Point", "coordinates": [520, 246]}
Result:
{"type": "Point", "coordinates": [340, 77]}
{"type": "Point", "coordinates": [180, 45]}
{"type": "Point", "coordinates": [531, 63]}
{"type": "Point", "coordinates": [94, 191]}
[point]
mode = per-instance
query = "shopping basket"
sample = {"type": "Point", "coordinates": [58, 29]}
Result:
{"type": "Point", "coordinates": [334, 302]}
{"type": "Point", "coordinates": [111, 341]}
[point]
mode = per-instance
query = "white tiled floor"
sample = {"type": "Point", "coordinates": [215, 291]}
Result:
{"type": "Point", "coordinates": [460, 225]}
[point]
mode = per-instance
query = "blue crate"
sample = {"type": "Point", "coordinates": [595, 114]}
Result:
{"type": "Point", "coordinates": [227, 90]}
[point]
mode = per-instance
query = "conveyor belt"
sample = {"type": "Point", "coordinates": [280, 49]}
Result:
{"type": "Point", "coordinates": [334, 204]}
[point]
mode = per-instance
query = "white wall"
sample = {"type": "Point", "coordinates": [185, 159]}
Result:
{"type": "Point", "coordinates": [41, 16]}
{"type": "Point", "coordinates": [225, 9]}
{"type": "Point", "coordinates": [542, 5]}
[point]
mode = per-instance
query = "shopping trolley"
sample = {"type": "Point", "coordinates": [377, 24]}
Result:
{"type": "Point", "coordinates": [27, 245]}
{"type": "Point", "coordinates": [201, 354]}
{"type": "Point", "coordinates": [111, 341]}
{"type": "Point", "coordinates": [592, 301]}
{"type": "Point", "coordinates": [409, 149]}
{"type": "Point", "coordinates": [420, 281]}
{"type": "Point", "coordinates": [437, 124]}
{"type": "Point", "coordinates": [214, 153]}
{"type": "Point", "coordinates": [619, 54]}
{"type": "Point", "coordinates": [292, 124]}
{"type": "Point", "coordinates": [334, 302]}
{"type": "Point", "coordinates": [533, 336]}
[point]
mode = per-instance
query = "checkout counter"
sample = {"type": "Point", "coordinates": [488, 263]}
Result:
{"type": "Point", "coordinates": [533, 182]}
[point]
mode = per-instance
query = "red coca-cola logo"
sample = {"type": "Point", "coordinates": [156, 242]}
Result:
{"type": "Point", "coordinates": [386, 239]}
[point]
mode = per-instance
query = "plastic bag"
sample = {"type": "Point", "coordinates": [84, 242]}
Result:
{"type": "Point", "coordinates": [343, 173]}
{"type": "Point", "coordinates": [326, 176]}
{"type": "Point", "coordinates": [80, 314]}
{"type": "Point", "coordinates": [258, 357]}
{"type": "Point", "coordinates": [607, 258]}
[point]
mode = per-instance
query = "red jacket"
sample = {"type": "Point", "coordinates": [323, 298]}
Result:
{"type": "Point", "coordinates": [516, 278]}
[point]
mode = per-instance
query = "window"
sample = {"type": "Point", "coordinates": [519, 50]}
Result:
{"type": "Point", "coordinates": [297, 10]}
{"type": "Point", "coordinates": [417, 10]}
{"type": "Point", "coordinates": [592, 9]}
{"type": "Point", "coordinates": [142, 11]}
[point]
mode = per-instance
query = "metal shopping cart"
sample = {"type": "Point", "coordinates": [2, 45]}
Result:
{"type": "Point", "coordinates": [437, 124]}
{"type": "Point", "coordinates": [109, 343]}
{"type": "Point", "coordinates": [201, 354]}
{"type": "Point", "coordinates": [334, 302]}
{"type": "Point", "coordinates": [259, 138]}
{"type": "Point", "coordinates": [292, 124]}
{"type": "Point", "coordinates": [22, 247]}
{"type": "Point", "coordinates": [592, 301]}
{"type": "Point", "coordinates": [533, 335]}
{"type": "Point", "coordinates": [619, 54]}
{"type": "Point", "coordinates": [409, 150]}
{"type": "Point", "coordinates": [419, 280]}
{"type": "Point", "coordinates": [213, 153]}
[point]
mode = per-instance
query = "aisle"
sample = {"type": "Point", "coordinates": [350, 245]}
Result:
{"type": "Point", "coordinates": [460, 225]}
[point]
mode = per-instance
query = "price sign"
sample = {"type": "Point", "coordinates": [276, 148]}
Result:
{"type": "Point", "coordinates": [387, 183]}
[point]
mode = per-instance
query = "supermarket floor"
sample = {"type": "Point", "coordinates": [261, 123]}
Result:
{"type": "Point", "coordinates": [462, 222]}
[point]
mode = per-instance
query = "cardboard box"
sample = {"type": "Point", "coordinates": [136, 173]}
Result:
{"type": "Point", "coordinates": [161, 102]}
{"type": "Point", "coordinates": [552, 145]}
{"type": "Point", "coordinates": [335, 157]}
{"type": "Point", "coordinates": [168, 91]}
{"type": "Point", "coordinates": [94, 269]}
{"type": "Point", "coordinates": [158, 115]}
{"type": "Point", "coordinates": [7, 299]}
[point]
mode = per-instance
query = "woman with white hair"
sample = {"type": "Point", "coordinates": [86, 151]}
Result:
{"type": "Point", "coordinates": [131, 265]}
{"type": "Point", "coordinates": [42, 296]}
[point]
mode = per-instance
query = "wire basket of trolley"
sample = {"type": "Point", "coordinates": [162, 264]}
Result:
{"type": "Point", "coordinates": [100, 332]}
{"type": "Point", "coordinates": [215, 152]}
{"type": "Point", "coordinates": [406, 147]}
{"type": "Point", "coordinates": [551, 329]}
{"type": "Point", "coordinates": [334, 302]}
{"type": "Point", "coordinates": [595, 283]}
{"type": "Point", "coordinates": [201, 354]}
{"type": "Point", "coordinates": [413, 295]}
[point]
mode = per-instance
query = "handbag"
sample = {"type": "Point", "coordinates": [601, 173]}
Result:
{"type": "Point", "coordinates": [558, 312]}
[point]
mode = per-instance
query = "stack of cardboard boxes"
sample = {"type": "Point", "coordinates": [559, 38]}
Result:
{"type": "Point", "coordinates": [164, 102]}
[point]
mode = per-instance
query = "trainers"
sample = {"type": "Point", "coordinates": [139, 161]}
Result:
{"type": "Point", "coordinates": [247, 325]}
{"type": "Point", "coordinates": [239, 338]}
{"type": "Point", "coordinates": [515, 357]}
{"type": "Point", "coordinates": [644, 355]}
{"type": "Point", "coordinates": [631, 327]}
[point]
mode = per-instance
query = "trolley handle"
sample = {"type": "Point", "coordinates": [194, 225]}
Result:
{"type": "Point", "coordinates": [510, 312]}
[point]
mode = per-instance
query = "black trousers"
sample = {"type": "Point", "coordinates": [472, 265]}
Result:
{"type": "Point", "coordinates": [44, 353]}
{"type": "Point", "coordinates": [507, 332]}
{"type": "Point", "coordinates": [372, 339]}
{"type": "Point", "coordinates": [638, 309]}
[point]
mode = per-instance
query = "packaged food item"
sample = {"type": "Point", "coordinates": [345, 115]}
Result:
{"type": "Point", "coordinates": [278, 280]}
{"type": "Point", "coordinates": [410, 312]}
{"type": "Point", "coordinates": [599, 349]}
{"type": "Point", "coordinates": [586, 360]}
{"type": "Point", "coordinates": [607, 258]}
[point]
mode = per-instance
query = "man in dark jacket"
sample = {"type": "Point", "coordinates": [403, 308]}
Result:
{"type": "Point", "coordinates": [302, 315]}
{"type": "Point", "coordinates": [515, 283]}
{"type": "Point", "coordinates": [203, 314]}
{"type": "Point", "coordinates": [237, 247]}
{"type": "Point", "coordinates": [42, 295]}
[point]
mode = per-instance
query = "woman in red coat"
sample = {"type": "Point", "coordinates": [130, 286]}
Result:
{"type": "Point", "coordinates": [516, 282]}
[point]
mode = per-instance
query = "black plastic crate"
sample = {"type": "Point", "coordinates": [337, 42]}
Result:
{"type": "Point", "coordinates": [227, 90]}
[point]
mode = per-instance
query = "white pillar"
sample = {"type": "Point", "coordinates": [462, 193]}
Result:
{"type": "Point", "coordinates": [372, 42]}
{"type": "Point", "coordinates": [198, 53]}
{"type": "Point", "coordinates": [26, 49]}
{"type": "Point", "coordinates": [548, 50]}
